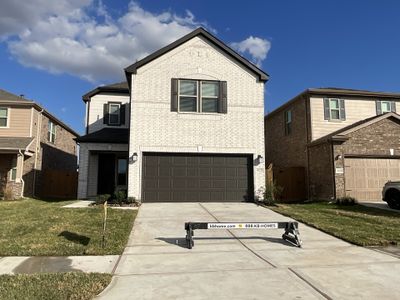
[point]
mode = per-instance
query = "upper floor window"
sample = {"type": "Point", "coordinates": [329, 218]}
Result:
{"type": "Point", "coordinates": [334, 109]}
{"type": "Point", "coordinates": [385, 107]}
{"type": "Point", "coordinates": [114, 113]}
{"type": "Point", "coordinates": [288, 122]}
{"type": "Point", "coordinates": [51, 134]}
{"type": "Point", "coordinates": [201, 96]}
{"type": "Point", "coordinates": [3, 117]}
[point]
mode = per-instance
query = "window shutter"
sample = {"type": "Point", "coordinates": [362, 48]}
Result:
{"type": "Point", "coordinates": [393, 106]}
{"type": "Point", "coordinates": [378, 107]}
{"type": "Point", "coordinates": [122, 114]}
{"type": "Point", "coordinates": [105, 113]}
{"type": "Point", "coordinates": [342, 110]}
{"type": "Point", "coordinates": [174, 94]}
{"type": "Point", "coordinates": [223, 97]}
{"type": "Point", "coordinates": [326, 109]}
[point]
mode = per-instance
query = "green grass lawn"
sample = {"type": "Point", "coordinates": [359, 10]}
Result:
{"type": "Point", "coordinates": [53, 286]}
{"type": "Point", "coordinates": [357, 224]}
{"type": "Point", "coordinates": [42, 228]}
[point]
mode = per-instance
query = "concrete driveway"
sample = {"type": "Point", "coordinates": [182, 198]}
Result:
{"type": "Point", "coordinates": [243, 264]}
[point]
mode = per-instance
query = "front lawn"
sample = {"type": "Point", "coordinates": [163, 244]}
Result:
{"type": "Point", "coordinates": [53, 286]}
{"type": "Point", "coordinates": [357, 224]}
{"type": "Point", "coordinates": [34, 227]}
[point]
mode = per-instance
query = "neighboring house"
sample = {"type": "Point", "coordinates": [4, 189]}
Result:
{"type": "Point", "coordinates": [32, 142]}
{"type": "Point", "coordinates": [345, 141]}
{"type": "Point", "coordinates": [187, 126]}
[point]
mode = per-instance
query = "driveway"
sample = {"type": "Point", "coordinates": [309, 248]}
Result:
{"type": "Point", "coordinates": [243, 264]}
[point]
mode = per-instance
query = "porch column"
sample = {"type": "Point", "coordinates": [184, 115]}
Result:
{"type": "Point", "coordinates": [83, 171]}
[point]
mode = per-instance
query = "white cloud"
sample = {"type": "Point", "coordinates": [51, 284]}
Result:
{"type": "Point", "coordinates": [81, 38]}
{"type": "Point", "coordinates": [258, 48]}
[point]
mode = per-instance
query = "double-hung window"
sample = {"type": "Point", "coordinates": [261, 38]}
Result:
{"type": "Point", "coordinates": [198, 96]}
{"type": "Point", "coordinates": [385, 106]}
{"type": "Point", "coordinates": [288, 122]}
{"type": "Point", "coordinates": [3, 117]}
{"type": "Point", "coordinates": [51, 134]}
{"type": "Point", "coordinates": [334, 109]}
{"type": "Point", "coordinates": [114, 114]}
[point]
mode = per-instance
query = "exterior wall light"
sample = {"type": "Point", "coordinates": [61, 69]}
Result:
{"type": "Point", "coordinates": [133, 158]}
{"type": "Point", "coordinates": [260, 159]}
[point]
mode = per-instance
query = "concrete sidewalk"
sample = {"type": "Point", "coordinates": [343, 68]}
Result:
{"type": "Point", "coordinates": [243, 264]}
{"type": "Point", "coordinates": [42, 264]}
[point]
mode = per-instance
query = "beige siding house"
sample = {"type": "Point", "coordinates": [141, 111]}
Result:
{"type": "Point", "coordinates": [32, 141]}
{"type": "Point", "coordinates": [195, 126]}
{"type": "Point", "coordinates": [343, 141]}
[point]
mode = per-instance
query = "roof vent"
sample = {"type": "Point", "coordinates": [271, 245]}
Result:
{"type": "Point", "coordinates": [22, 96]}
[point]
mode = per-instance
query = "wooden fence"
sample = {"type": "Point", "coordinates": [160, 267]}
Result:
{"type": "Point", "coordinates": [59, 184]}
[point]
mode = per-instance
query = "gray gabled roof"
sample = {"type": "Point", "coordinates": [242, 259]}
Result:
{"type": "Point", "coordinates": [4, 95]}
{"type": "Point", "coordinates": [119, 88]}
{"type": "Point", "coordinates": [15, 143]}
{"type": "Point", "coordinates": [106, 135]}
{"type": "Point", "coordinates": [211, 38]}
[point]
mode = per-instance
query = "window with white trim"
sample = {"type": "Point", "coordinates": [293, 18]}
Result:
{"type": "Point", "coordinates": [51, 134]}
{"type": "Point", "coordinates": [198, 96]}
{"type": "Point", "coordinates": [386, 106]}
{"type": "Point", "coordinates": [3, 116]}
{"type": "Point", "coordinates": [334, 109]}
{"type": "Point", "coordinates": [114, 114]}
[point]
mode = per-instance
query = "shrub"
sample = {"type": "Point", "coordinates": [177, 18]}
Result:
{"type": "Point", "coordinates": [8, 193]}
{"type": "Point", "coordinates": [346, 201]}
{"type": "Point", "coordinates": [120, 197]}
{"type": "Point", "coordinates": [133, 200]}
{"type": "Point", "coordinates": [100, 199]}
{"type": "Point", "coordinates": [269, 194]}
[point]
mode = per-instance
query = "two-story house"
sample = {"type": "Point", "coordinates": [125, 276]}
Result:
{"type": "Point", "coordinates": [33, 143]}
{"type": "Point", "coordinates": [187, 126]}
{"type": "Point", "coordinates": [345, 141]}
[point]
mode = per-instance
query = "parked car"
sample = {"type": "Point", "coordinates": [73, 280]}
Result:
{"type": "Point", "coordinates": [391, 194]}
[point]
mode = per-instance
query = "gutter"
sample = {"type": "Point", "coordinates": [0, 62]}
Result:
{"type": "Point", "coordinates": [22, 180]}
{"type": "Point", "coordinates": [37, 149]}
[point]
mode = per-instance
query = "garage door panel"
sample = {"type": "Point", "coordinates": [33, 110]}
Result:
{"type": "Point", "coordinates": [365, 177]}
{"type": "Point", "coordinates": [193, 177]}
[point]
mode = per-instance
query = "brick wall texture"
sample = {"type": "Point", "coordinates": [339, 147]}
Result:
{"type": "Point", "coordinates": [155, 128]}
{"type": "Point", "coordinates": [282, 150]}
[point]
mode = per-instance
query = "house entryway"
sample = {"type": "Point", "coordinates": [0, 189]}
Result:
{"type": "Point", "coordinates": [112, 172]}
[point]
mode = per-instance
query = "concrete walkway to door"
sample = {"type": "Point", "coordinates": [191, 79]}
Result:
{"type": "Point", "coordinates": [243, 264]}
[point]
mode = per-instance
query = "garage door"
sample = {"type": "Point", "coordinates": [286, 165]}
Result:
{"type": "Point", "coordinates": [365, 177]}
{"type": "Point", "coordinates": [189, 178]}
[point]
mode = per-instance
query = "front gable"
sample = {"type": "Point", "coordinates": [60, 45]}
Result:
{"type": "Point", "coordinates": [374, 139]}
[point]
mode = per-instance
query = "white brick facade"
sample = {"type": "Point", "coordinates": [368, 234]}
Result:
{"type": "Point", "coordinates": [154, 127]}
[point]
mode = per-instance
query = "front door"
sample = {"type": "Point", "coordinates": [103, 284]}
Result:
{"type": "Point", "coordinates": [106, 175]}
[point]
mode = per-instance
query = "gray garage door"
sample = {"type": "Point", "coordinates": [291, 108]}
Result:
{"type": "Point", "coordinates": [190, 178]}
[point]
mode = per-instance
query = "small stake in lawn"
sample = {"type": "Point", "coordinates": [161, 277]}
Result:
{"type": "Point", "coordinates": [103, 241]}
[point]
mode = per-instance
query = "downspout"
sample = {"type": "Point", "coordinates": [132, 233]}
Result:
{"type": "Point", "coordinates": [22, 180]}
{"type": "Point", "coordinates": [39, 125]}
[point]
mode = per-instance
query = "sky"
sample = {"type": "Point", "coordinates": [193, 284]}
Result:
{"type": "Point", "coordinates": [55, 51]}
